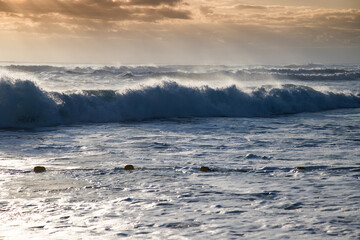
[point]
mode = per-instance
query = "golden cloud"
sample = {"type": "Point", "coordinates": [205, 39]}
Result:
{"type": "Point", "coordinates": [154, 2]}
{"type": "Point", "coordinates": [208, 20]}
{"type": "Point", "coordinates": [105, 10]}
{"type": "Point", "coordinates": [250, 7]}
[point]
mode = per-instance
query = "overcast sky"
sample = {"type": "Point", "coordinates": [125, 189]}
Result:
{"type": "Point", "coordinates": [180, 31]}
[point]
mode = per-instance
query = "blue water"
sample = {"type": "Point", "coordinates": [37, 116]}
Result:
{"type": "Point", "coordinates": [282, 144]}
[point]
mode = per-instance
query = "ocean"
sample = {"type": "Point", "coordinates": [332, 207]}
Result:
{"type": "Point", "coordinates": [281, 145]}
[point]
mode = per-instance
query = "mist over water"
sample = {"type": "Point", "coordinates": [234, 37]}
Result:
{"type": "Point", "coordinates": [281, 143]}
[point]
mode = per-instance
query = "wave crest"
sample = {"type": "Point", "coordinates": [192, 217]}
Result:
{"type": "Point", "coordinates": [23, 104]}
{"type": "Point", "coordinates": [310, 72]}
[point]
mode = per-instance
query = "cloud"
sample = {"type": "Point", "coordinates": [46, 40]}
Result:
{"type": "Point", "coordinates": [250, 7]}
{"type": "Point", "coordinates": [105, 10]}
{"type": "Point", "coordinates": [190, 29]}
{"type": "Point", "coordinates": [154, 2]}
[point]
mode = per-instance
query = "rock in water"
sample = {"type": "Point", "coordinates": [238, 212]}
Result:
{"type": "Point", "coordinates": [129, 167]}
{"type": "Point", "coordinates": [39, 169]}
{"type": "Point", "coordinates": [301, 168]}
{"type": "Point", "coordinates": [204, 169]}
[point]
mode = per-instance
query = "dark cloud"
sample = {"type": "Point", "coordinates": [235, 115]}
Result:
{"type": "Point", "coordinates": [250, 7]}
{"type": "Point", "coordinates": [257, 24]}
{"type": "Point", "coordinates": [105, 10]}
{"type": "Point", "coordinates": [172, 13]}
{"type": "Point", "coordinates": [5, 7]}
{"type": "Point", "coordinates": [154, 2]}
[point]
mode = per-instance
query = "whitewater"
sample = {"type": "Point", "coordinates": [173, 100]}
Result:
{"type": "Point", "coordinates": [281, 144]}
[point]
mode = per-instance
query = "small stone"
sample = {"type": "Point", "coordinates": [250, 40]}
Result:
{"type": "Point", "coordinates": [129, 167]}
{"type": "Point", "coordinates": [301, 168]}
{"type": "Point", "coordinates": [39, 169]}
{"type": "Point", "coordinates": [204, 169]}
{"type": "Point", "coordinates": [251, 156]}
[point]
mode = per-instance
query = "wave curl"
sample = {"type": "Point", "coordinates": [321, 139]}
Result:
{"type": "Point", "coordinates": [23, 104]}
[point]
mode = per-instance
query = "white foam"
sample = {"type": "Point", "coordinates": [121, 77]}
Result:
{"type": "Point", "coordinates": [24, 104]}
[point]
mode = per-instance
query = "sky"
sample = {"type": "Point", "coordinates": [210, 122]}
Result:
{"type": "Point", "coordinates": [180, 31]}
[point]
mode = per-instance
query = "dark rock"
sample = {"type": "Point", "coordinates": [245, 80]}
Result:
{"type": "Point", "coordinates": [204, 169]}
{"type": "Point", "coordinates": [251, 156]}
{"type": "Point", "coordinates": [293, 206]}
{"type": "Point", "coordinates": [129, 167]}
{"type": "Point", "coordinates": [39, 169]}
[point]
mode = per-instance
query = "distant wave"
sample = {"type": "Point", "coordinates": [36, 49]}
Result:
{"type": "Point", "coordinates": [291, 72]}
{"type": "Point", "coordinates": [25, 105]}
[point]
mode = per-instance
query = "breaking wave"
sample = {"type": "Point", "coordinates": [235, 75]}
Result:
{"type": "Point", "coordinates": [24, 105]}
{"type": "Point", "coordinates": [308, 72]}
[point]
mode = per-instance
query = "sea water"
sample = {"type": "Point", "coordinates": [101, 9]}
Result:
{"type": "Point", "coordinates": [282, 144]}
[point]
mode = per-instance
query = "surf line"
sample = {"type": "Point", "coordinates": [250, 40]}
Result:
{"type": "Point", "coordinates": [132, 168]}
